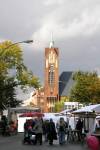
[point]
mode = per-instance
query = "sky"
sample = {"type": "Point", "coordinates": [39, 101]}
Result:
{"type": "Point", "coordinates": [75, 25]}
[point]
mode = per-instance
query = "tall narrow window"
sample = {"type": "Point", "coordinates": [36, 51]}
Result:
{"type": "Point", "coordinates": [51, 75]}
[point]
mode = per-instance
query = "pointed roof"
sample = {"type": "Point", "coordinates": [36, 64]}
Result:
{"type": "Point", "coordinates": [65, 83]}
{"type": "Point", "coordinates": [51, 45]}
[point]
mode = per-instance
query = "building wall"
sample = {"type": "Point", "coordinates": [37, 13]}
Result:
{"type": "Point", "coordinates": [51, 78]}
{"type": "Point", "coordinates": [72, 105]}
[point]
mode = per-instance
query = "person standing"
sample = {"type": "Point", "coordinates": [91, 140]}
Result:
{"type": "Point", "coordinates": [38, 129]}
{"type": "Point", "coordinates": [4, 123]}
{"type": "Point", "coordinates": [52, 135]}
{"type": "Point", "coordinates": [45, 130]}
{"type": "Point", "coordinates": [61, 126]}
{"type": "Point", "coordinates": [79, 127]}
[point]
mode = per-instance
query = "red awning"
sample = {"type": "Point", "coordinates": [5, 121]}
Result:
{"type": "Point", "coordinates": [32, 114]}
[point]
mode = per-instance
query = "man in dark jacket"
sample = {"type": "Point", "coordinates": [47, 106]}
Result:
{"type": "Point", "coordinates": [52, 135]}
{"type": "Point", "coordinates": [79, 127]}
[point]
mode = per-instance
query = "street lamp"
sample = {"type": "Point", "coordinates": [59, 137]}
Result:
{"type": "Point", "coordinates": [27, 42]}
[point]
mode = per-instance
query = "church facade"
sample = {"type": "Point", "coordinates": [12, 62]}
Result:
{"type": "Point", "coordinates": [55, 87]}
{"type": "Point", "coordinates": [51, 83]}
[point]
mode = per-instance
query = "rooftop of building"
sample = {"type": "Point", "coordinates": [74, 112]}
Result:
{"type": "Point", "coordinates": [65, 83]}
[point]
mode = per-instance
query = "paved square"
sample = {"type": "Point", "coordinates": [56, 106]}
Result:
{"type": "Point", "coordinates": [15, 143]}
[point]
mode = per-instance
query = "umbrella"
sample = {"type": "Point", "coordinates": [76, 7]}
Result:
{"type": "Point", "coordinates": [32, 114]}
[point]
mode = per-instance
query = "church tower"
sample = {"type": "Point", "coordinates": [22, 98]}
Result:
{"type": "Point", "coordinates": [51, 86]}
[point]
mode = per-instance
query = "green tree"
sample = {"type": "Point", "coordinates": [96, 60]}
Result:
{"type": "Point", "coordinates": [11, 60]}
{"type": "Point", "coordinates": [59, 106]}
{"type": "Point", "coordinates": [86, 88]}
{"type": "Point", "coordinates": [8, 95]}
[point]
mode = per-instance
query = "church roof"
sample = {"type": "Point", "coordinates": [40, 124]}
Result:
{"type": "Point", "coordinates": [65, 83]}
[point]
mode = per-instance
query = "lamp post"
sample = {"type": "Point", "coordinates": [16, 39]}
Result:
{"type": "Point", "coordinates": [26, 41]}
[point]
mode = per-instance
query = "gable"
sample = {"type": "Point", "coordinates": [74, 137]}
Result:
{"type": "Point", "coordinates": [65, 83]}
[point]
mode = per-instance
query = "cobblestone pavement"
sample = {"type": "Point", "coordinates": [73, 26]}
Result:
{"type": "Point", "coordinates": [15, 143]}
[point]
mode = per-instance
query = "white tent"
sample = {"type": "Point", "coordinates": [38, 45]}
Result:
{"type": "Point", "coordinates": [49, 116]}
{"type": "Point", "coordinates": [89, 109]}
{"type": "Point", "coordinates": [54, 116]}
{"type": "Point", "coordinates": [88, 113]}
{"type": "Point", "coordinates": [66, 111]}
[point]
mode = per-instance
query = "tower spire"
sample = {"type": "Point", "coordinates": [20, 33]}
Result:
{"type": "Point", "coordinates": [51, 42]}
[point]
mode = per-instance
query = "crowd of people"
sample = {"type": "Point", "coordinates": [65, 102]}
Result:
{"type": "Point", "coordinates": [37, 131]}
{"type": "Point", "coordinates": [49, 130]}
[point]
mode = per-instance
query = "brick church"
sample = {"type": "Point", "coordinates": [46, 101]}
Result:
{"type": "Point", "coordinates": [55, 86]}
{"type": "Point", "coordinates": [51, 83]}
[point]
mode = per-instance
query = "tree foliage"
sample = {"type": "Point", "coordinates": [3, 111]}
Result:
{"type": "Point", "coordinates": [86, 88]}
{"type": "Point", "coordinates": [59, 106]}
{"type": "Point", "coordinates": [11, 60]}
{"type": "Point", "coordinates": [8, 95]}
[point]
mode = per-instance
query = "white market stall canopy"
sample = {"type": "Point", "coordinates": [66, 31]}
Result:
{"type": "Point", "coordinates": [88, 109]}
{"type": "Point", "coordinates": [66, 111]}
{"type": "Point", "coordinates": [88, 114]}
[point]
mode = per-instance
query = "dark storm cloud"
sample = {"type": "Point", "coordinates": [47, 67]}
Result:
{"type": "Point", "coordinates": [18, 18]}
{"type": "Point", "coordinates": [75, 26]}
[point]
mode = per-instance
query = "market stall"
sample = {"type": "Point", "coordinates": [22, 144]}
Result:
{"type": "Point", "coordinates": [88, 115]}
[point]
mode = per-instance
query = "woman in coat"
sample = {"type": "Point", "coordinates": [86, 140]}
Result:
{"type": "Point", "coordinates": [52, 135]}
